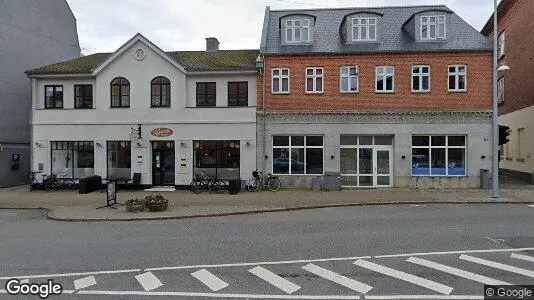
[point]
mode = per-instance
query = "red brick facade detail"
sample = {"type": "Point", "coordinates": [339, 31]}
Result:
{"type": "Point", "coordinates": [477, 97]}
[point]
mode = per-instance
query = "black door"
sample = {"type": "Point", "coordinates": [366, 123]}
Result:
{"type": "Point", "coordinates": [163, 163]}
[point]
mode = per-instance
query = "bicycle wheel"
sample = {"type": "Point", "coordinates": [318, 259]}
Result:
{"type": "Point", "coordinates": [69, 184]}
{"type": "Point", "coordinates": [218, 186]}
{"type": "Point", "coordinates": [273, 184]}
{"type": "Point", "coordinates": [50, 185]}
{"type": "Point", "coordinates": [195, 187]}
{"type": "Point", "coordinates": [253, 185]}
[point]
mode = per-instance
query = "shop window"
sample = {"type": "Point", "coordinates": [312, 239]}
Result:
{"type": "Point", "coordinates": [219, 159]}
{"type": "Point", "coordinates": [119, 159]}
{"type": "Point", "coordinates": [439, 155]}
{"type": "Point", "coordinates": [298, 155]}
{"type": "Point", "coordinates": [72, 159]}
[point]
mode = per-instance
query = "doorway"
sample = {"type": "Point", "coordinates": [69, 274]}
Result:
{"type": "Point", "coordinates": [163, 163]}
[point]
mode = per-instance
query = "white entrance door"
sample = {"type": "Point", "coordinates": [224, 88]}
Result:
{"type": "Point", "coordinates": [367, 166]}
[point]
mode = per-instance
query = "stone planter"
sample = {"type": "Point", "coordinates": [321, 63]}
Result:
{"type": "Point", "coordinates": [158, 207]}
{"type": "Point", "coordinates": [135, 207]}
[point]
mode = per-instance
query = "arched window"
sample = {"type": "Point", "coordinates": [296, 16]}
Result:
{"type": "Point", "coordinates": [160, 92]}
{"type": "Point", "coordinates": [120, 92]}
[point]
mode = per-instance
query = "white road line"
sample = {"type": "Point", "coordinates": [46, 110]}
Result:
{"type": "Point", "coordinates": [426, 297]}
{"type": "Point", "coordinates": [64, 291]}
{"type": "Point", "coordinates": [337, 278]}
{"type": "Point", "coordinates": [84, 282]}
{"type": "Point", "coordinates": [497, 265]}
{"type": "Point", "coordinates": [523, 257]}
{"type": "Point", "coordinates": [72, 274]}
{"type": "Point", "coordinates": [210, 280]}
{"type": "Point", "coordinates": [24, 281]}
{"type": "Point", "coordinates": [279, 282]}
{"type": "Point", "coordinates": [531, 206]}
{"type": "Point", "coordinates": [148, 281]}
{"type": "Point", "coordinates": [453, 252]}
{"type": "Point", "coordinates": [455, 271]}
{"type": "Point", "coordinates": [438, 287]}
{"type": "Point", "coordinates": [215, 295]}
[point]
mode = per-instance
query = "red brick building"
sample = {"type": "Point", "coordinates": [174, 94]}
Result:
{"type": "Point", "coordinates": [386, 96]}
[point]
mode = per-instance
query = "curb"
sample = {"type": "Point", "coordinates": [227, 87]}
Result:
{"type": "Point", "coordinates": [249, 212]}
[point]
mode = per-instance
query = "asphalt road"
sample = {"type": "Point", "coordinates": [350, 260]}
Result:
{"type": "Point", "coordinates": [330, 239]}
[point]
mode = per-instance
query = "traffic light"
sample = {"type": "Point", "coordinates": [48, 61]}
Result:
{"type": "Point", "coordinates": [504, 132]}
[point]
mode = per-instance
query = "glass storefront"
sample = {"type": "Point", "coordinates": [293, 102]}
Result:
{"type": "Point", "coordinates": [73, 159]}
{"type": "Point", "coordinates": [219, 159]}
{"type": "Point", "coordinates": [119, 159]}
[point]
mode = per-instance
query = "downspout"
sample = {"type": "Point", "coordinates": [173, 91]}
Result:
{"type": "Point", "coordinates": [264, 166]}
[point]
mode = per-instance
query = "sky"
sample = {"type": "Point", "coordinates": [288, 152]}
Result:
{"type": "Point", "coordinates": [105, 25]}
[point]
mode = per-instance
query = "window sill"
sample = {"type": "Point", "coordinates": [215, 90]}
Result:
{"type": "Point", "coordinates": [113, 107]}
{"type": "Point", "coordinates": [384, 92]}
{"type": "Point", "coordinates": [314, 93]}
{"type": "Point", "coordinates": [457, 91]}
{"type": "Point", "coordinates": [349, 92]}
{"type": "Point", "coordinates": [52, 108]}
{"type": "Point", "coordinates": [280, 93]}
{"type": "Point", "coordinates": [166, 106]}
{"type": "Point", "coordinates": [82, 108]}
{"type": "Point", "coordinates": [420, 92]}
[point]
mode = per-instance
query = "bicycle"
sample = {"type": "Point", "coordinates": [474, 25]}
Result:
{"type": "Point", "coordinates": [272, 183]}
{"type": "Point", "coordinates": [204, 182]}
{"type": "Point", "coordinates": [53, 183]}
{"type": "Point", "coordinates": [34, 183]}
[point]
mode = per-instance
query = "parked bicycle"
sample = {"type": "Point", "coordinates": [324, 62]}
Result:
{"type": "Point", "coordinates": [204, 182]}
{"type": "Point", "coordinates": [272, 183]}
{"type": "Point", "coordinates": [34, 183]}
{"type": "Point", "coordinates": [51, 183]}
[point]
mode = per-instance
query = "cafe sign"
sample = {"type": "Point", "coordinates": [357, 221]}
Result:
{"type": "Point", "coordinates": [161, 132]}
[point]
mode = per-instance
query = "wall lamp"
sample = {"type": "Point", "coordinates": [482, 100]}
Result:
{"type": "Point", "coordinates": [37, 144]}
{"type": "Point", "coordinates": [182, 144]}
{"type": "Point", "coordinates": [99, 145]}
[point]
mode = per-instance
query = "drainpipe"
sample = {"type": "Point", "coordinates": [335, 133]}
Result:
{"type": "Point", "coordinates": [264, 165]}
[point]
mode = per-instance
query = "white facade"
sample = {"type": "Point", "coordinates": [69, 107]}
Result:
{"type": "Point", "coordinates": [103, 123]}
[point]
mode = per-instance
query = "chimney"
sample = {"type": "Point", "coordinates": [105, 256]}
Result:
{"type": "Point", "coordinates": [212, 44]}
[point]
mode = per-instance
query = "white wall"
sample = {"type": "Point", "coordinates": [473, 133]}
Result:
{"type": "Point", "coordinates": [513, 159]}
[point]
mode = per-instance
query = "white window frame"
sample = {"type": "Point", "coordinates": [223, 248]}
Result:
{"type": "Point", "coordinates": [457, 74]}
{"type": "Point", "coordinates": [356, 25]}
{"type": "Point", "coordinates": [315, 77]}
{"type": "Point", "coordinates": [419, 76]}
{"type": "Point", "coordinates": [348, 77]}
{"type": "Point", "coordinates": [304, 25]}
{"type": "Point", "coordinates": [500, 91]}
{"type": "Point", "coordinates": [446, 147]}
{"type": "Point", "coordinates": [439, 21]}
{"type": "Point", "coordinates": [280, 77]}
{"type": "Point", "coordinates": [384, 76]}
{"type": "Point", "coordinates": [290, 147]}
{"type": "Point", "coordinates": [501, 44]}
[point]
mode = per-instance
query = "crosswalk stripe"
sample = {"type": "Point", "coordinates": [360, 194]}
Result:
{"type": "Point", "coordinates": [210, 280]}
{"type": "Point", "coordinates": [148, 281]}
{"type": "Point", "coordinates": [84, 282]}
{"type": "Point", "coordinates": [438, 287]}
{"type": "Point", "coordinates": [279, 282]}
{"type": "Point", "coordinates": [531, 206]}
{"type": "Point", "coordinates": [497, 265]}
{"type": "Point", "coordinates": [337, 278]}
{"type": "Point", "coordinates": [523, 257]}
{"type": "Point", "coordinates": [25, 280]}
{"type": "Point", "coordinates": [455, 271]}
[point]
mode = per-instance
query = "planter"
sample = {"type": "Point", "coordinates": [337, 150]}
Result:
{"type": "Point", "coordinates": [157, 207]}
{"type": "Point", "coordinates": [134, 207]}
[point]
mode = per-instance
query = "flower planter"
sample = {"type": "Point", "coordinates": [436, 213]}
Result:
{"type": "Point", "coordinates": [135, 207]}
{"type": "Point", "coordinates": [157, 207]}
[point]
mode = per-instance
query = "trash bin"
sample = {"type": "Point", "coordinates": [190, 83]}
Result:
{"type": "Point", "coordinates": [234, 185]}
{"type": "Point", "coordinates": [316, 184]}
{"type": "Point", "coordinates": [484, 179]}
{"type": "Point", "coordinates": [90, 184]}
{"type": "Point", "coordinates": [332, 181]}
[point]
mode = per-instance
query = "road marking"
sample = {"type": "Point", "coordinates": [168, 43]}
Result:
{"type": "Point", "coordinates": [210, 280]}
{"type": "Point", "coordinates": [523, 257]}
{"type": "Point", "coordinates": [438, 287]}
{"type": "Point", "coordinates": [215, 295]}
{"type": "Point", "coordinates": [497, 265]}
{"type": "Point", "coordinates": [148, 281]}
{"type": "Point", "coordinates": [63, 291]}
{"type": "Point", "coordinates": [279, 282]}
{"type": "Point", "coordinates": [454, 271]}
{"type": "Point", "coordinates": [24, 281]}
{"type": "Point", "coordinates": [73, 274]}
{"type": "Point", "coordinates": [84, 282]}
{"type": "Point", "coordinates": [426, 297]}
{"type": "Point", "coordinates": [453, 252]}
{"type": "Point", "coordinates": [337, 278]}
{"type": "Point", "coordinates": [531, 206]}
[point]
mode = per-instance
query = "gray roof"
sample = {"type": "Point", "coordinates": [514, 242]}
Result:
{"type": "Point", "coordinates": [328, 39]}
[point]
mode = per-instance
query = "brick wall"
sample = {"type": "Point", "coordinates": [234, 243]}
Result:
{"type": "Point", "coordinates": [478, 95]}
{"type": "Point", "coordinates": [518, 24]}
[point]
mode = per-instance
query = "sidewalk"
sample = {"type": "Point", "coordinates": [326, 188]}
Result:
{"type": "Point", "coordinates": [71, 206]}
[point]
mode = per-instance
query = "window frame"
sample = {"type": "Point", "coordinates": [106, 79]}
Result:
{"type": "Point", "coordinates": [359, 26]}
{"type": "Point", "coordinates": [206, 94]}
{"type": "Point", "coordinates": [281, 77]}
{"type": "Point", "coordinates": [384, 78]}
{"type": "Point", "coordinates": [501, 45]}
{"type": "Point", "coordinates": [437, 24]}
{"type": "Point", "coordinates": [420, 76]}
{"type": "Point", "coordinates": [83, 96]}
{"type": "Point", "coordinates": [54, 96]}
{"type": "Point", "coordinates": [500, 91]}
{"type": "Point", "coordinates": [290, 147]}
{"type": "Point", "coordinates": [446, 147]}
{"type": "Point", "coordinates": [238, 99]}
{"type": "Point", "coordinates": [160, 86]}
{"type": "Point", "coordinates": [457, 75]}
{"type": "Point", "coordinates": [121, 86]}
{"type": "Point", "coordinates": [314, 76]}
{"type": "Point", "coordinates": [294, 28]}
{"type": "Point", "coordinates": [348, 76]}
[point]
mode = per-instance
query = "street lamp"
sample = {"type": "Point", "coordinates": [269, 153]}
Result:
{"type": "Point", "coordinates": [495, 113]}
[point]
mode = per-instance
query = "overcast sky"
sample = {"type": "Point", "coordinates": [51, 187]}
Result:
{"type": "Point", "coordinates": [104, 25]}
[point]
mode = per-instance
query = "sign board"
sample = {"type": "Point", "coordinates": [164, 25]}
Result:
{"type": "Point", "coordinates": [161, 132]}
{"type": "Point", "coordinates": [112, 191]}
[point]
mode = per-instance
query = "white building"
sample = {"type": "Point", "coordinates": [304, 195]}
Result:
{"type": "Point", "coordinates": [165, 115]}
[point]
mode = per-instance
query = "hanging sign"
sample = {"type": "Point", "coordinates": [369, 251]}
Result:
{"type": "Point", "coordinates": [161, 132]}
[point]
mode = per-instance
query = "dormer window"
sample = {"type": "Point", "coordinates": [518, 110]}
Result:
{"type": "Point", "coordinates": [364, 29]}
{"type": "Point", "coordinates": [297, 31]}
{"type": "Point", "coordinates": [433, 27]}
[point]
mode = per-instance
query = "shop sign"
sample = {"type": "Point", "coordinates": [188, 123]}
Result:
{"type": "Point", "coordinates": [161, 132]}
